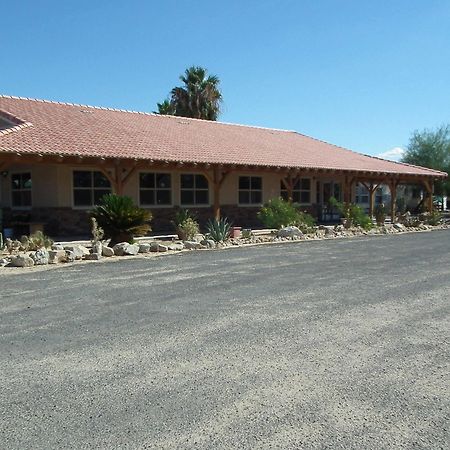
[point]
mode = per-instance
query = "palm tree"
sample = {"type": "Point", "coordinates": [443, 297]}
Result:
{"type": "Point", "coordinates": [199, 98]}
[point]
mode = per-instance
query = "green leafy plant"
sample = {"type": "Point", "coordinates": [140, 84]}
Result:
{"type": "Point", "coordinates": [186, 224]}
{"type": "Point", "coordinates": [120, 219]}
{"type": "Point", "coordinates": [434, 218]}
{"type": "Point", "coordinates": [380, 214]}
{"type": "Point", "coordinates": [353, 215]}
{"type": "Point", "coordinates": [278, 213]}
{"type": "Point", "coordinates": [246, 233]}
{"type": "Point", "coordinates": [218, 230]}
{"type": "Point", "coordinates": [35, 241]}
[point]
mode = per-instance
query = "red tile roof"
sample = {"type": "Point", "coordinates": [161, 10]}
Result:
{"type": "Point", "coordinates": [52, 128]}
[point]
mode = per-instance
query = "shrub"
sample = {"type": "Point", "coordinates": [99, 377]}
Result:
{"type": "Point", "coordinates": [185, 224]}
{"type": "Point", "coordinates": [278, 213]}
{"type": "Point", "coordinates": [353, 214]}
{"type": "Point", "coordinates": [120, 219]}
{"type": "Point", "coordinates": [218, 230]}
{"type": "Point", "coordinates": [434, 218]}
{"type": "Point", "coordinates": [380, 214]}
{"type": "Point", "coordinates": [35, 241]}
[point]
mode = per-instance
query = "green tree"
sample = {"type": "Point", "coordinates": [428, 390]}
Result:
{"type": "Point", "coordinates": [431, 148]}
{"type": "Point", "coordinates": [199, 97]}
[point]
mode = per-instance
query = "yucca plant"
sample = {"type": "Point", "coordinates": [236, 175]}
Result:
{"type": "Point", "coordinates": [218, 230]}
{"type": "Point", "coordinates": [120, 219]}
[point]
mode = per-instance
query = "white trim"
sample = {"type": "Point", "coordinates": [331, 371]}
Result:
{"type": "Point", "coordinates": [171, 205]}
{"type": "Point", "coordinates": [83, 169]}
{"type": "Point", "coordinates": [201, 205]}
{"type": "Point", "coordinates": [20, 208]}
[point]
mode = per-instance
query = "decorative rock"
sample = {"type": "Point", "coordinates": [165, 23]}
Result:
{"type": "Point", "coordinates": [144, 248]}
{"type": "Point", "coordinates": [3, 262]}
{"type": "Point", "coordinates": [40, 257]}
{"type": "Point", "coordinates": [78, 250]}
{"type": "Point", "coordinates": [92, 257]}
{"type": "Point", "coordinates": [176, 246]}
{"type": "Point", "coordinates": [157, 247]}
{"type": "Point", "coordinates": [57, 247]}
{"type": "Point", "coordinates": [208, 243]}
{"type": "Point", "coordinates": [289, 232]}
{"type": "Point", "coordinates": [107, 251]}
{"type": "Point", "coordinates": [192, 245]}
{"type": "Point", "coordinates": [56, 256]}
{"type": "Point", "coordinates": [399, 226]}
{"type": "Point", "coordinates": [70, 256]}
{"type": "Point", "coordinates": [22, 261]}
{"type": "Point", "coordinates": [199, 237]}
{"type": "Point", "coordinates": [124, 248]}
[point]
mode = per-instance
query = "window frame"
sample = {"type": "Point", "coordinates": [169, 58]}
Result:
{"type": "Point", "coordinates": [92, 188]}
{"type": "Point", "coordinates": [21, 208]}
{"type": "Point", "coordinates": [171, 189]}
{"type": "Point", "coordinates": [250, 190]}
{"type": "Point", "coordinates": [194, 205]}
{"type": "Point", "coordinates": [300, 190]}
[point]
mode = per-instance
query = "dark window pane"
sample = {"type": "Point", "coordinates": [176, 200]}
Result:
{"type": "Point", "coordinates": [187, 197]}
{"type": "Point", "coordinates": [15, 181]}
{"type": "Point", "coordinates": [244, 197]}
{"type": "Point", "coordinates": [256, 197]}
{"type": "Point", "coordinates": [100, 180]}
{"type": "Point", "coordinates": [147, 197]}
{"type": "Point", "coordinates": [297, 185]}
{"type": "Point", "coordinates": [305, 184]}
{"type": "Point", "coordinates": [163, 197]}
{"type": "Point", "coordinates": [26, 198]}
{"type": "Point", "coordinates": [187, 181]}
{"type": "Point", "coordinates": [305, 197]}
{"type": "Point", "coordinates": [26, 181]}
{"type": "Point", "coordinates": [201, 197]}
{"type": "Point", "coordinates": [296, 197]}
{"type": "Point", "coordinates": [284, 195]}
{"type": "Point", "coordinates": [147, 180]}
{"type": "Point", "coordinates": [82, 197]}
{"type": "Point", "coordinates": [82, 178]}
{"type": "Point", "coordinates": [201, 182]}
{"type": "Point", "coordinates": [256, 183]}
{"type": "Point", "coordinates": [244, 182]}
{"type": "Point", "coordinates": [16, 198]}
{"type": "Point", "coordinates": [163, 180]}
{"type": "Point", "coordinates": [99, 193]}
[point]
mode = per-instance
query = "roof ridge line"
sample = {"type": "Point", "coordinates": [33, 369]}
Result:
{"type": "Point", "coordinates": [105, 108]}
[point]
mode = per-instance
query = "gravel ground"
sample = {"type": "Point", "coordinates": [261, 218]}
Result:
{"type": "Point", "coordinates": [318, 345]}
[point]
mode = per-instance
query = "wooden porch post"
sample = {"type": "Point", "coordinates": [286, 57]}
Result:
{"type": "Point", "coordinates": [371, 188]}
{"type": "Point", "coordinates": [429, 185]}
{"type": "Point", "coordinates": [393, 189]}
{"type": "Point", "coordinates": [217, 180]}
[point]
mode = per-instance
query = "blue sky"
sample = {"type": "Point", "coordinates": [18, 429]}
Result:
{"type": "Point", "coordinates": [361, 74]}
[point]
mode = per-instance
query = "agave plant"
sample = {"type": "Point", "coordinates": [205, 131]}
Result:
{"type": "Point", "coordinates": [120, 219]}
{"type": "Point", "coordinates": [218, 230]}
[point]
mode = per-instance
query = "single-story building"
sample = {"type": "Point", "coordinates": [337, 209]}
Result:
{"type": "Point", "coordinates": [58, 159]}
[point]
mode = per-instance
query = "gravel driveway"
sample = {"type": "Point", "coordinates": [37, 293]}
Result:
{"type": "Point", "coordinates": [340, 344]}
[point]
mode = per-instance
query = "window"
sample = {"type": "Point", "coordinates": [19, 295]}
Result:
{"type": "Point", "coordinates": [362, 194]}
{"type": "Point", "coordinates": [194, 189]}
{"type": "Point", "coordinates": [21, 190]}
{"type": "Point", "coordinates": [89, 187]}
{"type": "Point", "coordinates": [301, 192]}
{"type": "Point", "coordinates": [155, 189]}
{"type": "Point", "coordinates": [379, 196]}
{"type": "Point", "coordinates": [250, 190]}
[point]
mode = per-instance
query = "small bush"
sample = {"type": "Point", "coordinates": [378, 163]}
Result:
{"type": "Point", "coordinates": [353, 214]}
{"type": "Point", "coordinates": [35, 241]}
{"type": "Point", "coordinates": [278, 213]}
{"type": "Point", "coordinates": [434, 218]}
{"type": "Point", "coordinates": [187, 229]}
{"type": "Point", "coordinates": [380, 214]}
{"type": "Point", "coordinates": [120, 219]}
{"type": "Point", "coordinates": [218, 230]}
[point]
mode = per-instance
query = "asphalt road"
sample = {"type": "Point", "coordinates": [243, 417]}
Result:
{"type": "Point", "coordinates": [338, 344]}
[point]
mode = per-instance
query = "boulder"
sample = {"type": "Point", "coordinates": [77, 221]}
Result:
{"type": "Point", "coordinates": [107, 251]}
{"type": "Point", "coordinates": [208, 243]}
{"type": "Point", "coordinates": [290, 232]}
{"type": "Point", "coordinates": [125, 248]}
{"type": "Point", "coordinates": [93, 257]}
{"type": "Point", "coordinates": [144, 248]}
{"type": "Point", "coordinates": [40, 257]}
{"type": "Point", "coordinates": [97, 248]}
{"type": "Point", "coordinates": [157, 247]}
{"type": "Point", "coordinates": [70, 256]}
{"type": "Point", "coordinates": [57, 247]}
{"type": "Point", "coordinates": [199, 237]}
{"type": "Point", "coordinates": [399, 226]}
{"type": "Point", "coordinates": [192, 245]}
{"type": "Point", "coordinates": [176, 246]}
{"type": "Point", "coordinates": [3, 262]}
{"type": "Point", "coordinates": [78, 250]}
{"type": "Point", "coordinates": [22, 261]}
{"type": "Point", "coordinates": [57, 256]}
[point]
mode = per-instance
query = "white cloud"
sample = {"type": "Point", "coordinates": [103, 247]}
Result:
{"type": "Point", "coordinates": [394, 154]}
